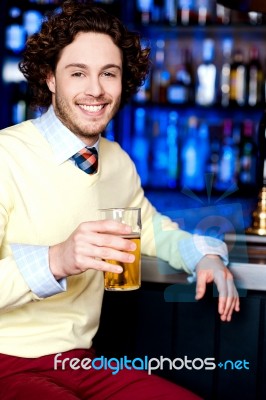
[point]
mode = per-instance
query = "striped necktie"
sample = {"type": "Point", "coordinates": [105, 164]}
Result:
{"type": "Point", "coordinates": [87, 159]}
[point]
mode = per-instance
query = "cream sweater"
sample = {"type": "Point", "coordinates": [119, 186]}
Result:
{"type": "Point", "coordinates": [42, 203]}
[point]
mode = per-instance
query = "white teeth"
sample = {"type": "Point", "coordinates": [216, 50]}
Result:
{"type": "Point", "coordinates": [91, 108]}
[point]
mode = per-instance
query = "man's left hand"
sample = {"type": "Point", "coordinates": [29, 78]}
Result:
{"type": "Point", "coordinates": [212, 269]}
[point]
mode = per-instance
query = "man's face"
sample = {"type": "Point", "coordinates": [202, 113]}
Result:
{"type": "Point", "coordinates": [87, 84]}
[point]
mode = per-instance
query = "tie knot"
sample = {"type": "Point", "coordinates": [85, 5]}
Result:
{"type": "Point", "coordinates": [87, 159]}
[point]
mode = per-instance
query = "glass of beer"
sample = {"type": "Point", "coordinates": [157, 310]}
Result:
{"type": "Point", "coordinates": [130, 278]}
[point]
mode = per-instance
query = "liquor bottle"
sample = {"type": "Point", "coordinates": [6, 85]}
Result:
{"type": "Point", "coordinates": [144, 10]}
{"type": "Point", "coordinates": [181, 89]}
{"type": "Point", "coordinates": [186, 12]}
{"type": "Point", "coordinates": [225, 72]}
{"type": "Point", "coordinates": [204, 141]}
{"type": "Point", "coordinates": [32, 20]}
{"type": "Point", "coordinates": [157, 12]}
{"type": "Point", "coordinates": [15, 33]}
{"type": "Point", "coordinates": [205, 11]}
{"type": "Point", "coordinates": [255, 78]}
{"type": "Point", "coordinates": [172, 143]}
{"type": "Point", "coordinates": [160, 78]}
{"type": "Point", "coordinates": [206, 76]}
{"type": "Point", "coordinates": [140, 146]}
{"type": "Point", "coordinates": [189, 155]}
{"type": "Point", "coordinates": [223, 15]}
{"type": "Point", "coordinates": [238, 78]}
{"type": "Point", "coordinates": [214, 156]}
{"type": "Point", "coordinates": [159, 150]}
{"type": "Point", "coordinates": [248, 156]}
{"type": "Point", "coordinates": [171, 12]}
{"type": "Point", "coordinates": [227, 159]}
{"type": "Point", "coordinates": [255, 18]}
{"type": "Point", "coordinates": [194, 156]}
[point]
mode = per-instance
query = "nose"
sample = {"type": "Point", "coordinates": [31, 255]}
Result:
{"type": "Point", "coordinates": [94, 87]}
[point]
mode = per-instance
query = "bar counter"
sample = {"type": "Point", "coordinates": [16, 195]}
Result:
{"type": "Point", "coordinates": [247, 275]}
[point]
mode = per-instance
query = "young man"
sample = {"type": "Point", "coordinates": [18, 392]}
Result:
{"type": "Point", "coordinates": [82, 67]}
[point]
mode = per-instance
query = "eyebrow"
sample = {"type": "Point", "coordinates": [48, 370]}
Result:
{"type": "Point", "coordinates": [84, 66]}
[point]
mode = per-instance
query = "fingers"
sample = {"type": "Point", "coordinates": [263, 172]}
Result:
{"type": "Point", "coordinates": [97, 257]}
{"type": "Point", "coordinates": [98, 264]}
{"type": "Point", "coordinates": [201, 284]}
{"type": "Point", "coordinates": [105, 226]}
{"type": "Point", "coordinates": [91, 245]}
{"type": "Point", "coordinates": [101, 245]}
{"type": "Point", "coordinates": [228, 296]}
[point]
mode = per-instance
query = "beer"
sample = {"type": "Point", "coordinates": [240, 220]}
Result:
{"type": "Point", "coordinates": [130, 278]}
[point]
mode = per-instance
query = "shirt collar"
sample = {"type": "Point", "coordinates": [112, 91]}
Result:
{"type": "Point", "coordinates": [63, 142]}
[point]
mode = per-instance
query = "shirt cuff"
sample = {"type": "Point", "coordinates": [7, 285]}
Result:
{"type": "Point", "coordinates": [33, 264]}
{"type": "Point", "coordinates": [192, 250]}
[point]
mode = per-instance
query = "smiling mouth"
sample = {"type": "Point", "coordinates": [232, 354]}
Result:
{"type": "Point", "coordinates": [92, 108]}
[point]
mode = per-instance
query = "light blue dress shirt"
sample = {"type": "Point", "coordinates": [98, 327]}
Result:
{"type": "Point", "coordinates": [33, 261]}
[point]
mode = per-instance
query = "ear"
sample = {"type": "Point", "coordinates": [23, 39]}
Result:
{"type": "Point", "coordinates": [50, 80]}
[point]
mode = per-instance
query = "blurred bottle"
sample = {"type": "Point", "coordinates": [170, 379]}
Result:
{"type": "Point", "coordinates": [32, 20]}
{"type": "Point", "coordinates": [172, 143]}
{"type": "Point", "coordinates": [205, 12]}
{"type": "Point", "coordinates": [248, 156]}
{"type": "Point", "coordinates": [204, 139]}
{"type": "Point", "coordinates": [189, 155]}
{"type": "Point", "coordinates": [206, 76]}
{"type": "Point", "coordinates": [203, 147]}
{"type": "Point", "coordinates": [225, 72]}
{"type": "Point", "coordinates": [223, 15]}
{"type": "Point", "coordinates": [186, 12]}
{"type": "Point", "coordinates": [238, 79]}
{"type": "Point", "coordinates": [159, 150]}
{"type": "Point", "coordinates": [140, 146]}
{"type": "Point", "coordinates": [214, 156]}
{"type": "Point", "coordinates": [171, 12]}
{"type": "Point", "coordinates": [157, 12]}
{"type": "Point", "coordinates": [160, 78]}
{"type": "Point", "coordinates": [255, 78]}
{"type": "Point", "coordinates": [181, 88]}
{"type": "Point", "coordinates": [236, 135]}
{"type": "Point", "coordinates": [15, 33]}
{"type": "Point", "coordinates": [255, 18]}
{"type": "Point", "coordinates": [227, 159]}
{"type": "Point", "coordinates": [194, 153]}
{"type": "Point", "coordinates": [144, 11]}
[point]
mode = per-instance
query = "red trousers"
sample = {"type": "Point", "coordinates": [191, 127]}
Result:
{"type": "Point", "coordinates": [37, 379]}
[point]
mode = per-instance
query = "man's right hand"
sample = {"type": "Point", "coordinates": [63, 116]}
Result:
{"type": "Point", "coordinates": [88, 246]}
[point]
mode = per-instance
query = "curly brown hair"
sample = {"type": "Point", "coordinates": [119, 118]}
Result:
{"type": "Point", "coordinates": [60, 28]}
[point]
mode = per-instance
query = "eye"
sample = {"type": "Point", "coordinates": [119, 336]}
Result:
{"type": "Point", "coordinates": [109, 74]}
{"type": "Point", "coordinates": [77, 74]}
